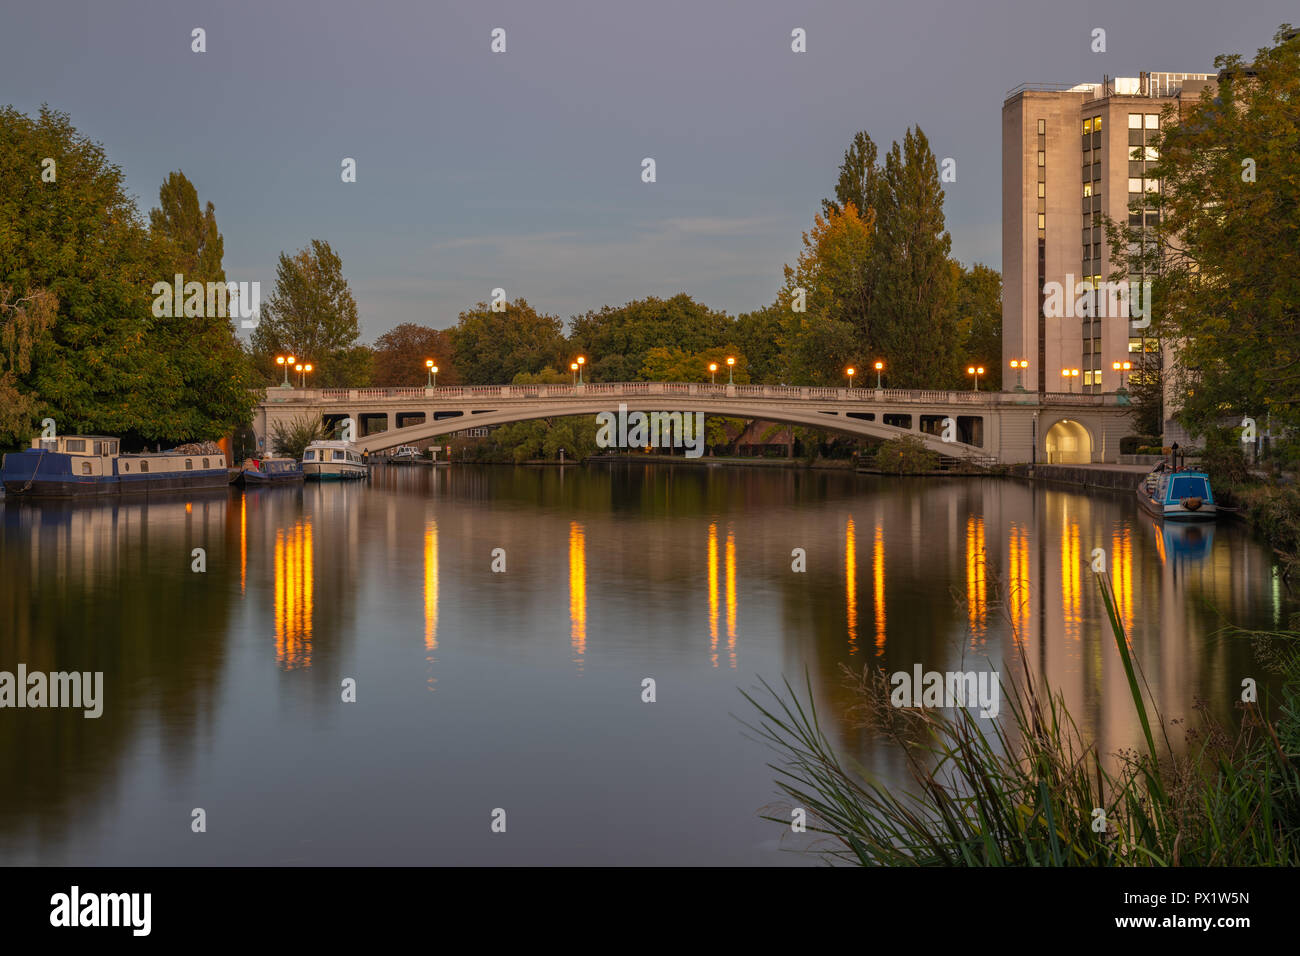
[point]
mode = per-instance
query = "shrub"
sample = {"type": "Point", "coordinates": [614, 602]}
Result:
{"type": "Point", "coordinates": [905, 456]}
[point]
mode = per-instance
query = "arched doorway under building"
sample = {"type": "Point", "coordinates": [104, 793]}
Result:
{"type": "Point", "coordinates": [1068, 443]}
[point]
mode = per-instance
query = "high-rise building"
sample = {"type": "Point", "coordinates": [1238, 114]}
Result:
{"type": "Point", "coordinates": [1071, 156]}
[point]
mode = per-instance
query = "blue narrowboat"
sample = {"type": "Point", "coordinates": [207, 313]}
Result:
{"type": "Point", "coordinates": [270, 471]}
{"type": "Point", "coordinates": [77, 466]}
{"type": "Point", "coordinates": [1180, 495]}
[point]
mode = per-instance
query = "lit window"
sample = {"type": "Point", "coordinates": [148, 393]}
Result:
{"type": "Point", "coordinates": [1087, 378]}
{"type": "Point", "coordinates": [1096, 124]}
{"type": "Point", "coordinates": [1135, 185]}
{"type": "Point", "coordinates": [1042, 158]}
{"type": "Point", "coordinates": [1096, 377]}
{"type": "Point", "coordinates": [1153, 121]}
{"type": "Point", "coordinates": [1042, 190]}
{"type": "Point", "coordinates": [1042, 221]}
{"type": "Point", "coordinates": [1042, 127]}
{"type": "Point", "coordinates": [1151, 154]}
{"type": "Point", "coordinates": [1087, 126]}
{"type": "Point", "coordinates": [1087, 190]}
{"type": "Point", "coordinates": [1134, 120]}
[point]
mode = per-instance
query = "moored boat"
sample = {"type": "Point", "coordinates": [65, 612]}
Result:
{"type": "Point", "coordinates": [333, 461]}
{"type": "Point", "coordinates": [270, 471]}
{"type": "Point", "coordinates": [76, 466]}
{"type": "Point", "coordinates": [405, 455]}
{"type": "Point", "coordinates": [1181, 495]}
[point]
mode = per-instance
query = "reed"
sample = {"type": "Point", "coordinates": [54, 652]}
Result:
{"type": "Point", "coordinates": [1029, 790]}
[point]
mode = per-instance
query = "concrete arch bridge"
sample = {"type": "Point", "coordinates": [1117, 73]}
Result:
{"type": "Point", "coordinates": [1006, 427]}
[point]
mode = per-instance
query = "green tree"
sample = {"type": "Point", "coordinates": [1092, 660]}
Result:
{"type": "Point", "coordinates": [197, 246]}
{"type": "Point", "coordinates": [616, 341]}
{"type": "Point", "coordinates": [915, 292]}
{"type": "Point", "coordinates": [23, 321]}
{"type": "Point", "coordinates": [677, 365]}
{"type": "Point", "coordinates": [312, 315]}
{"type": "Point", "coordinates": [1221, 241]}
{"type": "Point", "coordinates": [757, 335]}
{"type": "Point", "coordinates": [979, 320]}
{"type": "Point", "coordinates": [493, 347]}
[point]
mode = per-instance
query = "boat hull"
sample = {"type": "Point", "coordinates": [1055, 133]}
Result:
{"type": "Point", "coordinates": [333, 471]}
{"type": "Point", "coordinates": [32, 474]}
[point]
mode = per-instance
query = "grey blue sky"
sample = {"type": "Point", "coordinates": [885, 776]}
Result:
{"type": "Point", "coordinates": [523, 169]}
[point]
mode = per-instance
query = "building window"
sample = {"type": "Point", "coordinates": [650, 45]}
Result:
{"type": "Point", "coordinates": [1042, 221]}
{"type": "Point", "coordinates": [1134, 185]}
{"type": "Point", "coordinates": [1087, 378]}
{"type": "Point", "coordinates": [1042, 127]}
{"type": "Point", "coordinates": [1042, 158]}
{"type": "Point", "coordinates": [1096, 378]}
{"type": "Point", "coordinates": [1042, 190]}
{"type": "Point", "coordinates": [1087, 126]}
{"type": "Point", "coordinates": [1151, 154]}
{"type": "Point", "coordinates": [1087, 190]}
{"type": "Point", "coordinates": [1096, 124]}
{"type": "Point", "coordinates": [1153, 121]}
{"type": "Point", "coordinates": [1134, 120]}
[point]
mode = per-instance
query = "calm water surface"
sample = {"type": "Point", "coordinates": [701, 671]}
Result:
{"type": "Point", "coordinates": [522, 690]}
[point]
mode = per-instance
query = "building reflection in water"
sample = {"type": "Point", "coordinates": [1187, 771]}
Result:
{"type": "Point", "coordinates": [732, 604]}
{"type": "Point", "coordinates": [713, 593]}
{"type": "Point", "coordinates": [1121, 574]}
{"type": "Point", "coordinates": [1071, 580]}
{"type": "Point", "coordinates": [976, 579]}
{"type": "Point", "coordinates": [851, 584]}
{"type": "Point", "coordinates": [243, 543]}
{"type": "Point", "coordinates": [578, 591]}
{"type": "Point", "coordinates": [294, 575]}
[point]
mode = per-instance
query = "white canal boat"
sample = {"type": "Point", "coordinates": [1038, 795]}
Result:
{"type": "Point", "coordinates": [333, 461]}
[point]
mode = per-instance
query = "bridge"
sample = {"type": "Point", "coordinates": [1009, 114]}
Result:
{"type": "Point", "coordinates": [1007, 427]}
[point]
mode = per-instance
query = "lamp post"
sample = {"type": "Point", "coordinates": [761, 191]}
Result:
{"type": "Point", "coordinates": [573, 367]}
{"type": "Point", "coordinates": [287, 361]}
{"type": "Point", "coordinates": [1070, 374]}
{"type": "Point", "coordinates": [850, 372]}
{"type": "Point", "coordinates": [976, 372]}
{"type": "Point", "coordinates": [880, 367]}
{"type": "Point", "coordinates": [1122, 368]}
{"type": "Point", "coordinates": [1020, 365]}
{"type": "Point", "coordinates": [713, 373]}
{"type": "Point", "coordinates": [731, 363]}
{"type": "Point", "coordinates": [302, 370]}
{"type": "Point", "coordinates": [433, 373]}
{"type": "Point", "coordinates": [581, 362]}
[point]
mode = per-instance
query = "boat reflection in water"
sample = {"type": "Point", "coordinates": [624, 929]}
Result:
{"type": "Point", "coordinates": [1180, 543]}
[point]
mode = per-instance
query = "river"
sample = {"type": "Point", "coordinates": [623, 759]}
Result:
{"type": "Point", "coordinates": [522, 690]}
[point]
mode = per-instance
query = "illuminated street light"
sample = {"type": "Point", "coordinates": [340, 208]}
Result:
{"type": "Point", "coordinates": [287, 362]}
{"type": "Point", "coordinates": [302, 369]}
{"type": "Point", "coordinates": [573, 367]}
{"type": "Point", "coordinates": [433, 373]}
{"type": "Point", "coordinates": [1070, 374]}
{"type": "Point", "coordinates": [581, 362]}
{"type": "Point", "coordinates": [713, 371]}
{"type": "Point", "coordinates": [976, 371]}
{"type": "Point", "coordinates": [1020, 365]}
{"type": "Point", "coordinates": [880, 367]}
{"type": "Point", "coordinates": [1122, 368]}
{"type": "Point", "coordinates": [850, 371]}
{"type": "Point", "coordinates": [731, 362]}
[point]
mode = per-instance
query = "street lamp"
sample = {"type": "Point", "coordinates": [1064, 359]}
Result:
{"type": "Point", "coordinates": [1020, 365]}
{"type": "Point", "coordinates": [1122, 368]}
{"type": "Point", "coordinates": [713, 372]}
{"type": "Point", "coordinates": [731, 363]}
{"type": "Point", "coordinates": [581, 362]}
{"type": "Point", "coordinates": [302, 370]}
{"type": "Point", "coordinates": [286, 361]}
{"type": "Point", "coordinates": [880, 367]}
{"type": "Point", "coordinates": [573, 367]}
{"type": "Point", "coordinates": [977, 372]}
{"type": "Point", "coordinates": [1070, 374]}
{"type": "Point", "coordinates": [850, 371]}
{"type": "Point", "coordinates": [433, 373]}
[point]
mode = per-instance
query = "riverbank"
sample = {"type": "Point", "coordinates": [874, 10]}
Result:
{"type": "Point", "coordinates": [832, 464]}
{"type": "Point", "coordinates": [1108, 477]}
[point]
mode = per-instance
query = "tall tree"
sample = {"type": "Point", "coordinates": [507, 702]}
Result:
{"type": "Point", "coordinates": [312, 315]}
{"type": "Point", "coordinates": [1222, 239]}
{"type": "Point", "coordinates": [23, 322]}
{"type": "Point", "coordinates": [491, 348]}
{"type": "Point", "coordinates": [979, 319]}
{"type": "Point", "coordinates": [198, 246]}
{"type": "Point", "coordinates": [914, 305]}
{"type": "Point", "coordinates": [859, 181]}
{"type": "Point", "coordinates": [829, 280]}
{"type": "Point", "coordinates": [401, 352]}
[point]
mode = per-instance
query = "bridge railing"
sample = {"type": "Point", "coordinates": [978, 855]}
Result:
{"type": "Point", "coordinates": [278, 394]}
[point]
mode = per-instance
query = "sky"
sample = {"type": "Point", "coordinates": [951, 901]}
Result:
{"type": "Point", "coordinates": [523, 170]}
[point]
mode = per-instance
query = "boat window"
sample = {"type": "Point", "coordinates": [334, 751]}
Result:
{"type": "Point", "coordinates": [340, 456]}
{"type": "Point", "coordinates": [85, 467]}
{"type": "Point", "coordinates": [205, 463]}
{"type": "Point", "coordinates": [126, 466]}
{"type": "Point", "coordinates": [144, 466]}
{"type": "Point", "coordinates": [75, 444]}
{"type": "Point", "coordinates": [189, 464]}
{"type": "Point", "coordinates": [1186, 486]}
{"type": "Point", "coordinates": [309, 455]}
{"type": "Point", "coordinates": [99, 445]}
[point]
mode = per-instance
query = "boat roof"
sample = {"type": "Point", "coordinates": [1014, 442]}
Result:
{"type": "Point", "coordinates": [331, 443]}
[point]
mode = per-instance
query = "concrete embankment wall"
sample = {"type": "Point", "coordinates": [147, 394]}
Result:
{"type": "Point", "coordinates": [1116, 478]}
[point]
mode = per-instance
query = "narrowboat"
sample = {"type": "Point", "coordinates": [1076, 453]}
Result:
{"type": "Point", "coordinates": [1180, 495]}
{"type": "Point", "coordinates": [76, 466]}
{"type": "Point", "coordinates": [333, 461]}
{"type": "Point", "coordinates": [270, 471]}
{"type": "Point", "coordinates": [405, 455]}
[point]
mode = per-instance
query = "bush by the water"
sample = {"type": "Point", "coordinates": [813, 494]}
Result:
{"type": "Point", "coordinates": [905, 456]}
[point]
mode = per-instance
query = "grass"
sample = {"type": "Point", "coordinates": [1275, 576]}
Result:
{"type": "Point", "coordinates": [1031, 791]}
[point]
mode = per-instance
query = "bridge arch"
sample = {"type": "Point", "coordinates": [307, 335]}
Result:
{"type": "Point", "coordinates": [1067, 441]}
